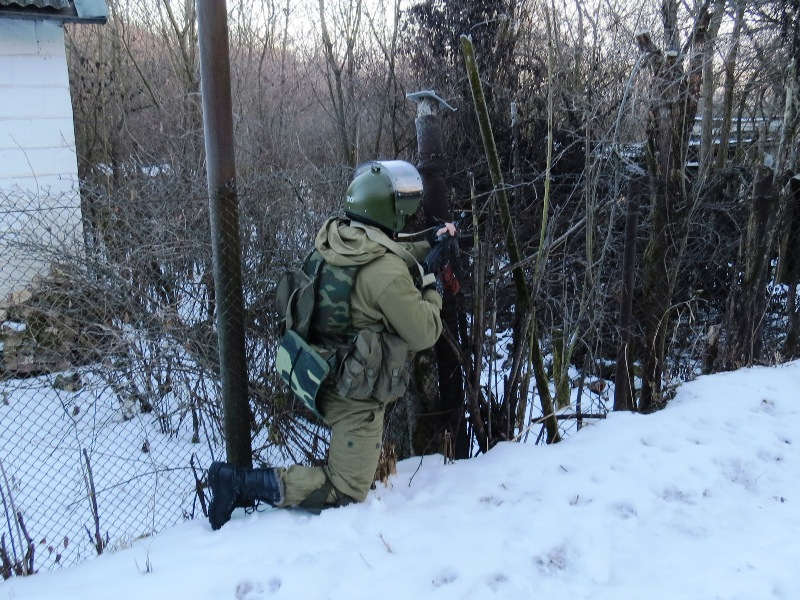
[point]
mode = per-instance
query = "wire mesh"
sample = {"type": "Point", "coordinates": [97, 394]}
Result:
{"type": "Point", "coordinates": [109, 377]}
{"type": "Point", "coordinates": [96, 450]}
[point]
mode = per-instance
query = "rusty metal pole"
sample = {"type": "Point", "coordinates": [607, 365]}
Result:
{"type": "Point", "coordinates": [432, 164]}
{"type": "Point", "coordinates": [215, 86]}
{"type": "Point", "coordinates": [623, 389]}
{"type": "Point", "coordinates": [450, 414]}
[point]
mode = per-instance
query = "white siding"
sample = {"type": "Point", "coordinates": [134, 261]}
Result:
{"type": "Point", "coordinates": [21, 163]}
{"type": "Point", "coordinates": [39, 202]}
{"type": "Point", "coordinates": [22, 103]}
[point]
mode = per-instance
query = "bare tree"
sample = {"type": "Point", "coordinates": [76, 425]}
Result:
{"type": "Point", "coordinates": [340, 64]}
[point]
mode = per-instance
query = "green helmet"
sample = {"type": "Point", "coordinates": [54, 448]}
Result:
{"type": "Point", "coordinates": [383, 193]}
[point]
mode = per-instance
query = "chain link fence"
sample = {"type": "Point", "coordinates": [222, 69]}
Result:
{"type": "Point", "coordinates": [109, 375]}
{"type": "Point", "coordinates": [110, 405]}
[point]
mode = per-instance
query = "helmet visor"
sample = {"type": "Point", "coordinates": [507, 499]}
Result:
{"type": "Point", "coordinates": [407, 185]}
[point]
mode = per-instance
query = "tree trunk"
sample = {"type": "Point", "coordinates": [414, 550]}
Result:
{"type": "Point", "coordinates": [728, 88]}
{"type": "Point", "coordinates": [791, 348]}
{"type": "Point", "coordinates": [340, 78]}
{"type": "Point", "coordinates": [448, 416]}
{"type": "Point", "coordinates": [524, 303]}
{"type": "Point", "coordinates": [671, 116]}
{"type": "Point", "coordinates": [747, 306]}
{"type": "Point", "coordinates": [772, 197]}
{"type": "Point", "coordinates": [707, 142]}
{"type": "Point", "coordinates": [789, 271]}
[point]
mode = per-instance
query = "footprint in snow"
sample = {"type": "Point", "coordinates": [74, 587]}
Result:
{"type": "Point", "coordinates": [497, 581]}
{"type": "Point", "coordinates": [554, 561]}
{"type": "Point", "coordinates": [445, 577]}
{"type": "Point", "coordinates": [624, 511]}
{"type": "Point", "coordinates": [249, 590]}
{"type": "Point", "coordinates": [767, 405]}
{"type": "Point", "coordinates": [255, 590]}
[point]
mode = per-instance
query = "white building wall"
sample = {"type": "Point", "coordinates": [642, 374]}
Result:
{"type": "Point", "coordinates": [39, 200]}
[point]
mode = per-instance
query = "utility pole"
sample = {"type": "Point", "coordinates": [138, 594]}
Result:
{"type": "Point", "coordinates": [432, 167]}
{"type": "Point", "coordinates": [215, 86]}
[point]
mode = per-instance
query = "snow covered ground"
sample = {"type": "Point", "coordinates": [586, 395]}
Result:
{"type": "Point", "coordinates": [699, 501]}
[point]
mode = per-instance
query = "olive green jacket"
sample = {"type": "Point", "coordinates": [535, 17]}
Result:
{"type": "Point", "coordinates": [384, 291]}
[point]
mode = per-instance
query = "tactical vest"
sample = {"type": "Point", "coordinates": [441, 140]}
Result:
{"type": "Point", "coordinates": [320, 344]}
{"type": "Point", "coordinates": [365, 363]}
{"type": "Point", "coordinates": [331, 324]}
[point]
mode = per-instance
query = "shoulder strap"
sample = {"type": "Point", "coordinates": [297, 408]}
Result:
{"type": "Point", "coordinates": [397, 249]}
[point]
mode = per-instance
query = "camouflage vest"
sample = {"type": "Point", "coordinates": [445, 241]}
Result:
{"type": "Point", "coordinates": [320, 344]}
{"type": "Point", "coordinates": [331, 325]}
{"type": "Point", "coordinates": [366, 363]}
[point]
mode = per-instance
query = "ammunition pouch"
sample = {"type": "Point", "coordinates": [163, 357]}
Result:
{"type": "Point", "coordinates": [375, 367]}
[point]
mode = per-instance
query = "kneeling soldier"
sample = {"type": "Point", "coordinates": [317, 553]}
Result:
{"type": "Point", "coordinates": [368, 314]}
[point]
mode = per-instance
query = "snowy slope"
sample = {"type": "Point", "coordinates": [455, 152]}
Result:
{"type": "Point", "coordinates": [700, 501]}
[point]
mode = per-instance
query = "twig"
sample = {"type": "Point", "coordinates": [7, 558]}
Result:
{"type": "Point", "coordinates": [7, 567]}
{"type": "Point", "coordinates": [89, 479]}
{"type": "Point", "coordinates": [14, 512]}
{"type": "Point", "coordinates": [385, 543]}
{"type": "Point", "coordinates": [419, 466]}
{"type": "Point", "coordinates": [198, 487]}
{"type": "Point", "coordinates": [540, 420]}
{"type": "Point", "coordinates": [29, 553]}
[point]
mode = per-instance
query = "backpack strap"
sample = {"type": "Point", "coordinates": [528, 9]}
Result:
{"type": "Point", "coordinates": [396, 249]}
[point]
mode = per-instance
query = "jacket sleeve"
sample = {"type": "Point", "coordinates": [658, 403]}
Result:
{"type": "Point", "coordinates": [390, 296]}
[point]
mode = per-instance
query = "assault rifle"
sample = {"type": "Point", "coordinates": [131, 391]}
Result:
{"type": "Point", "coordinates": [443, 259]}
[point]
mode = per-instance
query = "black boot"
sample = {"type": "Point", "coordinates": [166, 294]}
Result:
{"type": "Point", "coordinates": [233, 487]}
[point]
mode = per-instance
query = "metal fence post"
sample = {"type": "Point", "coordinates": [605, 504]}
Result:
{"type": "Point", "coordinates": [224, 215]}
{"type": "Point", "coordinates": [623, 391]}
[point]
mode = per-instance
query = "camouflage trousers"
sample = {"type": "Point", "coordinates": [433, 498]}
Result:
{"type": "Point", "coordinates": [355, 448]}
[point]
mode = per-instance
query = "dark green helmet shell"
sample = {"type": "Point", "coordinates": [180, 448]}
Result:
{"type": "Point", "coordinates": [384, 193]}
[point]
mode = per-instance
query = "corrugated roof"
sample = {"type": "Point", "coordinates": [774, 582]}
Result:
{"type": "Point", "coordinates": [75, 11]}
{"type": "Point", "coordinates": [57, 4]}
